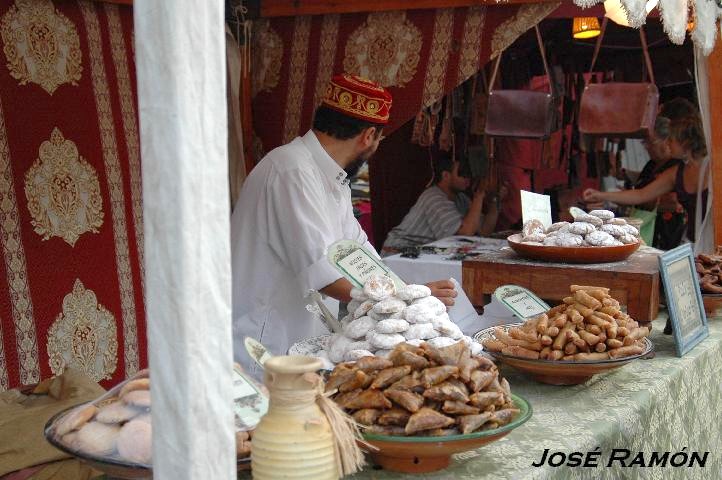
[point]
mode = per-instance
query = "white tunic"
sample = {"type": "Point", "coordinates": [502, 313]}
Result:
{"type": "Point", "coordinates": [295, 203]}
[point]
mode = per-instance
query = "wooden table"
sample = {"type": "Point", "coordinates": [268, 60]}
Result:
{"type": "Point", "coordinates": [634, 281]}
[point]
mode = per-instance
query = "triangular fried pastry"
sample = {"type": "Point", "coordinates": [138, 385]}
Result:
{"type": "Point", "coordinates": [409, 400]}
{"type": "Point", "coordinates": [367, 399]}
{"type": "Point", "coordinates": [471, 423]}
{"type": "Point", "coordinates": [453, 407]}
{"type": "Point", "coordinates": [387, 376]}
{"type": "Point", "coordinates": [427, 419]}
{"type": "Point", "coordinates": [395, 416]}
{"type": "Point", "coordinates": [372, 364]}
{"type": "Point", "coordinates": [367, 416]}
{"type": "Point", "coordinates": [432, 376]}
{"type": "Point", "coordinates": [446, 391]}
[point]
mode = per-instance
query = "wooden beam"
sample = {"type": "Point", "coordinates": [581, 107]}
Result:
{"type": "Point", "coordinates": [714, 74]}
{"type": "Point", "coordinates": [287, 8]}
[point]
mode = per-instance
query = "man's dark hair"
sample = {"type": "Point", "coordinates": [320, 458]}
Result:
{"type": "Point", "coordinates": [340, 126]}
{"type": "Point", "coordinates": [443, 162]}
{"type": "Point", "coordinates": [678, 108]}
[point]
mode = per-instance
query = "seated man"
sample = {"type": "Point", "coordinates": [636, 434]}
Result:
{"type": "Point", "coordinates": [444, 209]}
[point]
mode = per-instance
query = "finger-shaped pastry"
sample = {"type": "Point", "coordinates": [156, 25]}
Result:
{"type": "Point", "coordinates": [366, 416]}
{"type": "Point", "coordinates": [378, 287]}
{"type": "Point", "coordinates": [427, 419]}
{"type": "Point", "coordinates": [600, 347]}
{"type": "Point", "coordinates": [75, 419]}
{"type": "Point", "coordinates": [556, 355]}
{"type": "Point", "coordinates": [472, 423]}
{"type": "Point", "coordinates": [412, 292]}
{"type": "Point", "coordinates": [390, 375]}
{"type": "Point", "coordinates": [135, 442]}
{"type": "Point", "coordinates": [519, 334]}
{"type": "Point", "coordinates": [395, 416]}
{"type": "Point", "coordinates": [626, 351]}
{"type": "Point", "coordinates": [574, 288]}
{"type": "Point", "coordinates": [493, 345]}
{"type": "Point", "coordinates": [365, 399]}
{"type": "Point", "coordinates": [389, 305]}
{"type": "Point", "coordinates": [372, 364]}
{"type": "Point", "coordinates": [587, 357]}
{"type": "Point", "coordinates": [409, 400]}
{"type": "Point", "coordinates": [392, 325]}
{"type": "Point", "coordinates": [614, 343]}
{"type": "Point", "coordinates": [521, 352]}
{"type": "Point", "coordinates": [435, 375]}
{"type": "Point", "coordinates": [591, 339]}
{"type": "Point", "coordinates": [587, 300]}
{"type": "Point", "coordinates": [635, 334]}
{"type": "Point", "coordinates": [116, 412]}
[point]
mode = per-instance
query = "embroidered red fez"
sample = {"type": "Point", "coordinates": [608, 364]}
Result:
{"type": "Point", "coordinates": [359, 98]}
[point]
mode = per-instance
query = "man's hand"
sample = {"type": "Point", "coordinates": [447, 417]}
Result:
{"type": "Point", "coordinates": [444, 291]}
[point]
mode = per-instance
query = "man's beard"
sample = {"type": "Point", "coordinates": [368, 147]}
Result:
{"type": "Point", "coordinates": [353, 168]}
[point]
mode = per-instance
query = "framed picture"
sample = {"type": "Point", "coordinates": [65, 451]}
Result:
{"type": "Point", "coordinates": [684, 300]}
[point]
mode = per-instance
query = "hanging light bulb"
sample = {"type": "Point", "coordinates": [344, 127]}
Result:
{"type": "Point", "coordinates": [585, 27]}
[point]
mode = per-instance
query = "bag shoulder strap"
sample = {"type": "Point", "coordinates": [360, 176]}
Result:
{"type": "Point", "coordinates": [544, 61]}
{"type": "Point", "coordinates": [645, 50]}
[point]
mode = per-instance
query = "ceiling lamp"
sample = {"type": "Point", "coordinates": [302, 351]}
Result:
{"type": "Point", "coordinates": [585, 27]}
{"type": "Point", "coordinates": [615, 12]}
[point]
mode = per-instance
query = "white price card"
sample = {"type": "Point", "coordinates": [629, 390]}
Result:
{"type": "Point", "coordinates": [535, 205]}
{"type": "Point", "coordinates": [520, 301]}
{"type": "Point", "coordinates": [357, 264]}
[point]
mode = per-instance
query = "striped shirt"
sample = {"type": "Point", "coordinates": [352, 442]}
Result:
{"type": "Point", "coordinates": [432, 217]}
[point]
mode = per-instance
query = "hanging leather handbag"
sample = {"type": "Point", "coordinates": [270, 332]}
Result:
{"type": "Point", "coordinates": [617, 109]}
{"type": "Point", "coordinates": [522, 113]}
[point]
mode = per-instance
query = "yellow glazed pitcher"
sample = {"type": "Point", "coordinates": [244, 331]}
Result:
{"type": "Point", "coordinates": [294, 439]}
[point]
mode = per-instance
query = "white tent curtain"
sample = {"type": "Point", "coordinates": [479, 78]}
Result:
{"type": "Point", "coordinates": [704, 220]}
{"type": "Point", "coordinates": [181, 66]}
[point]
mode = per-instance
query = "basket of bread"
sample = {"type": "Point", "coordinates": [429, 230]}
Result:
{"type": "Point", "coordinates": [587, 334]}
{"type": "Point", "coordinates": [113, 434]}
{"type": "Point", "coordinates": [594, 237]}
{"type": "Point", "coordinates": [420, 404]}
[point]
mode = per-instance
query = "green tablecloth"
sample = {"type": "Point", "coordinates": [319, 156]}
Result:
{"type": "Point", "coordinates": [663, 404]}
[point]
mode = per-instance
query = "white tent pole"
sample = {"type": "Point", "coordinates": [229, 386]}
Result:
{"type": "Point", "coordinates": [180, 59]}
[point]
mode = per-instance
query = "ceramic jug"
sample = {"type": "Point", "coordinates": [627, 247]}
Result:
{"type": "Point", "coordinates": [294, 439]}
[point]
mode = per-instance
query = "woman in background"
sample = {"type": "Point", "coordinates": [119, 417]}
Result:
{"type": "Point", "coordinates": [686, 142]}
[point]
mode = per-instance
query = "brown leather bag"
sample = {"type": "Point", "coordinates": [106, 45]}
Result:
{"type": "Point", "coordinates": [522, 113]}
{"type": "Point", "coordinates": [617, 109]}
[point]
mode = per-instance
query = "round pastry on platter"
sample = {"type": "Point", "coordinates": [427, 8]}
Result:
{"type": "Point", "coordinates": [378, 287]}
{"type": "Point", "coordinates": [614, 230]}
{"type": "Point", "coordinates": [534, 237]}
{"type": "Point", "coordinates": [596, 221]}
{"type": "Point", "coordinates": [557, 226]}
{"type": "Point", "coordinates": [531, 227]}
{"type": "Point", "coordinates": [569, 240]}
{"type": "Point", "coordinates": [599, 238]}
{"type": "Point", "coordinates": [603, 214]}
{"type": "Point", "coordinates": [582, 228]}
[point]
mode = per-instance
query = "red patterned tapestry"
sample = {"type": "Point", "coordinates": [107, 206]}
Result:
{"type": "Point", "coordinates": [71, 228]}
{"type": "Point", "coordinates": [418, 54]}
